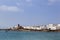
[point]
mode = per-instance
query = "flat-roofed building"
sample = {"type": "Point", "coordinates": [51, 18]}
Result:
{"type": "Point", "coordinates": [58, 26]}
{"type": "Point", "coordinates": [43, 27]}
{"type": "Point", "coordinates": [32, 27]}
{"type": "Point", "coordinates": [51, 26]}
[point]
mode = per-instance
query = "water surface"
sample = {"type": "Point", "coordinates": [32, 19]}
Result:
{"type": "Point", "coordinates": [14, 35]}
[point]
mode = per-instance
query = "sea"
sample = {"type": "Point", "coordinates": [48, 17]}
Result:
{"type": "Point", "coordinates": [20, 35]}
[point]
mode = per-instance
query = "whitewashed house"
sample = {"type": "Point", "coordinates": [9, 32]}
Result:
{"type": "Point", "coordinates": [43, 27]}
{"type": "Point", "coordinates": [58, 26]}
{"type": "Point", "coordinates": [32, 27]}
{"type": "Point", "coordinates": [27, 27]}
{"type": "Point", "coordinates": [51, 27]}
{"type": "Point", "coordinates": [36, 27]}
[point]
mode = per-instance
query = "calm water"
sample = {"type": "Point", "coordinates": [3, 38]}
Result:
{"type": "Point", "coordinates": [29, 35]}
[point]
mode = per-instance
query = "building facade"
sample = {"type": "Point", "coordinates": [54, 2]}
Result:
{"type": "Point", "coordinates": [51, 26]}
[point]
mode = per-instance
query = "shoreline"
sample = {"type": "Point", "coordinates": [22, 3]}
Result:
{"type": "Point", "coordinates": [29, 30]}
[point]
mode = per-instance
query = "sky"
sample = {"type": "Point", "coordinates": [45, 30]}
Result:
{"type": "Point", "coordinates": [29, 12]}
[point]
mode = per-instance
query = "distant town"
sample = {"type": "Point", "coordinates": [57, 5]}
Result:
{"type": "Point", "coordinates": [43, 28]}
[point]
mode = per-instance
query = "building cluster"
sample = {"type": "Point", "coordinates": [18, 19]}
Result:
{"type": "Point", "coordinates": [41, 27]}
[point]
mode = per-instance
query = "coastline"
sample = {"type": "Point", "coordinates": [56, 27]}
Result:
{"type": "Point", "coordinates": [45, 28]}
{"type": "Point", "coordinates": [30, 30]}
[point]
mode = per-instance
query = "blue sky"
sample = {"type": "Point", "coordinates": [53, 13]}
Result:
{"type": "Point", "coordinates": [29, 12]}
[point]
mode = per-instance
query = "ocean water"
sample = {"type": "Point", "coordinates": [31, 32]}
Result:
{"type": "Point", "coordinates": [14, 35]}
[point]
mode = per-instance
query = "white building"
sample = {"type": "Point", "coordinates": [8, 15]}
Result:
{"type": "Point", "coordinates": [58, 26]}
{"type": "Point", "coordinates": [36, 28]}
{"type": "Point", "coordinates": [51, 27]}
{"type": "Point", "coordinates": [32, 27]}
{"type": "Point", "coordinates": [43, 27]}
{"type": "Point", "coordinates": [27, 27]}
